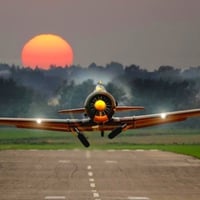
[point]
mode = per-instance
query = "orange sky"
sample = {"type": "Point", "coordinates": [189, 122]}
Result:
{"type": "Point", "coordinates": [148, 33]}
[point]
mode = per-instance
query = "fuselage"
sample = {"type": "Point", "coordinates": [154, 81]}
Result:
{"type": "Point", "coordinates": [100, 105]}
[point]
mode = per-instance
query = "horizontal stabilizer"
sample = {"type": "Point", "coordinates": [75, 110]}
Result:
{"type": "Point", "coordinates": [74, 111]}
{"type": "Point", "coordinates": [128, 108]}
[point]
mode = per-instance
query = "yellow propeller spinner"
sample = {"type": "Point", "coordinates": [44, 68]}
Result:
{"type": "Point", "coordinates": [100, 105]}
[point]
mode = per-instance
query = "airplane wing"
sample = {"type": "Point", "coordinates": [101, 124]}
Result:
{"type": "Point", "coordinates": [69, 125]}
{"type": "Point", "coordinates": [66, 125]}
{"type": "Point", "coordinates": [157, 119]}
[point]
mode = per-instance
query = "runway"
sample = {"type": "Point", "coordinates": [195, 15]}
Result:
{"type": "Point", "coordinates": [98, 175]}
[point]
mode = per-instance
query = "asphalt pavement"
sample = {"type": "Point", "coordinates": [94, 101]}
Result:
{"type": "Point", "coordinates": [98, 175]}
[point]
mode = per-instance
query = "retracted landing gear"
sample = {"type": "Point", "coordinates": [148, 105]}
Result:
{"type": "Point", "coordinates": [116, 131]}
{"type": "Point", "coordinates": [82, 138]}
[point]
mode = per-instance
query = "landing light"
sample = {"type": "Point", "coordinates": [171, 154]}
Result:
{"type": "Point", "coordinates": [39, 121]}
{"type": "Point", "coordinates": [163, 115]}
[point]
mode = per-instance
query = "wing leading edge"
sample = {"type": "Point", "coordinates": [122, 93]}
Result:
{"type": "Point", "coordinates": [117, 125]}
{"type": "Point", "coordinates": [68, 125]}
{"type": "Point", "coordinates": [157, 119]}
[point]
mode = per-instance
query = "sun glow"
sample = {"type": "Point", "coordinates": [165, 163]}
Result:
{"type": "Point", "coordinates": [46, 50]}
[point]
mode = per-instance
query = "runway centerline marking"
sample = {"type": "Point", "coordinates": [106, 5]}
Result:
{"type": "Point", "coordinates": [111, 161]}
{"type": "Point", "coordinates": [89, 167]}
{"type": "Point", "coordinates": [95, 194]}
{"type": "Point", "coordinates": [64, 161]}
{"type": "Point", "coordinates": [55, 197]}
{"type": "Point", "coordinates": [90, 173]}
{"type": "Point", "coordinates": [92, 185]}
{"type": "Point", "coordinates": [88, 154]}
{"type": "Point", "coordinates": [138, 198]}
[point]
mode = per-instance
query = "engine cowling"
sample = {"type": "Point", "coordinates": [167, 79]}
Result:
{"type": "Point", "coordinates": [100, 106]}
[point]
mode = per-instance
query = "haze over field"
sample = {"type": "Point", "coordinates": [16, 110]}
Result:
{"type": "Point", "coordinates": [41, 93]}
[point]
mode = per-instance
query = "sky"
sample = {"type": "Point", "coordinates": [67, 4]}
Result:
{"type": "Point", "coordinates": [149, 33]}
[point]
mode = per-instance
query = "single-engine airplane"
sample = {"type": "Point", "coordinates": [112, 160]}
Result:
{"type": "Point", "coordinates": [99, 109]}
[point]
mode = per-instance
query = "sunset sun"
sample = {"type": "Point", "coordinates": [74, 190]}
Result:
{"type": "Point", "coordinates": [45, 50]}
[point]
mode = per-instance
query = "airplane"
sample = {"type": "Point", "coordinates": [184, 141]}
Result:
{"type": "Point", "coordinates": [99, 109]}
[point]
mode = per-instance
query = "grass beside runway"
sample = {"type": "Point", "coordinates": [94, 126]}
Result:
{"type": "Point", "coordinates": [179, 141]}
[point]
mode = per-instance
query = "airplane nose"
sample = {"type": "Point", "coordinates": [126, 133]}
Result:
{"type": "Point", "coordinates": [100, 105]}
